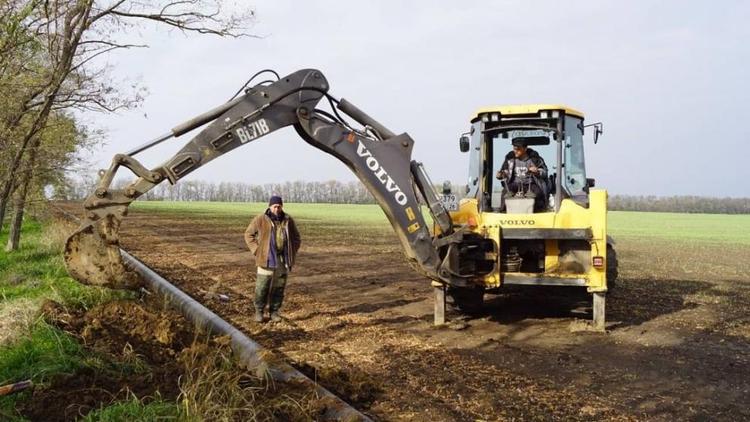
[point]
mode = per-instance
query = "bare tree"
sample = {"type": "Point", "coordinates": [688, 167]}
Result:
{"type": "Point", "coordinates": [52, 49]}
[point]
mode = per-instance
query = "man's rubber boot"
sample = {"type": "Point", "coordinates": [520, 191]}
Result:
{"type": "Point", "coordinates": [275, 317]}
{"type": "Point", "coordinates": [258, 315]}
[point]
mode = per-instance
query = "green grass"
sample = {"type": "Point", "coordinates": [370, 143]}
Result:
{"type": "Point", "coordinates": [37, 271]}
{"type": "Point", "coordinates": [44, 352]}
{"type": "Point", "coordinates": [39, 351]}
{"type": "Point", "coordinates": [135, 410]}
{"type": "Point", "coordinates": [712, 228]}
{"type": "Point", "coordinates": [39, 355]}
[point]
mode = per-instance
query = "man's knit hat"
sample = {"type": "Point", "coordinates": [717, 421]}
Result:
{"type": "Point", "coordinates": [275, 200]}
{"type": "Point", "coordinates": [520, 142]}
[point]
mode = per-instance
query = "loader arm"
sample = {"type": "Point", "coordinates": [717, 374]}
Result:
{"type": "Point", "coordinates": [379, 158]}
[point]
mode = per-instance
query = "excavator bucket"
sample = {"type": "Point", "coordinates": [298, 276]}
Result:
{"type": "Point", "coordinates": [92, 255]}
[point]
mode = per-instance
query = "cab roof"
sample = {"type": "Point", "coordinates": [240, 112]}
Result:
{"type": "Point", "coordinates": [510, 110]}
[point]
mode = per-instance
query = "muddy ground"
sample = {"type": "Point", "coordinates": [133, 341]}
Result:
{"type": "Point", "coordinates": [134, 348]}
{"type": "Point", "coordinates": [360, 320]}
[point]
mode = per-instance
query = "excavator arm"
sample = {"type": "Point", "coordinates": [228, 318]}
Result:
{"type": "Point", "coordinates": [379, 158]}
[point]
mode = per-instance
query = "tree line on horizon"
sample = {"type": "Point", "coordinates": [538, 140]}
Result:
{"type": "Point", "coordinates": [354, 192]}
{"type": "Point", "coordinates": [679, 203]}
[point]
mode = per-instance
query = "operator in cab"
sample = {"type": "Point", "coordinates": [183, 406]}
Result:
{"type": "Point", "coordinates": [525, 174]}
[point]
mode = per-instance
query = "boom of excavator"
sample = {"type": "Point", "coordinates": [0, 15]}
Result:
{"type": "Point", "coordinates": [463, 255]}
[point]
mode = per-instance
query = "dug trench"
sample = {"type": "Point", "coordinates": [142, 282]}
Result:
{"type": "Point", "coordinates": [358, 320]}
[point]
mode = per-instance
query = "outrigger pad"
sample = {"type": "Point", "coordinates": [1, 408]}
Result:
{"type": "Point", "coordinates": [93, 261]}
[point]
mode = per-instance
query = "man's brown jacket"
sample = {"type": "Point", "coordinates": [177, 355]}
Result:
{"type": "Point", "coordinates": [258, 238]}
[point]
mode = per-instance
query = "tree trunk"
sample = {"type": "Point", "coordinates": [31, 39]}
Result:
{"type": "Point", "coordinates": [4, 205]}
{"type": "Point", "coordinates": [10, 180]}
{"type": "Point", "coordinates": [14, 236]}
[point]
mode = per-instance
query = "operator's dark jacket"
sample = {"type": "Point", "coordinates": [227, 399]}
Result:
{"type": "Point", "coordinates": [537, 160]}
{"type": "Point", "coordinates": [258, 238]}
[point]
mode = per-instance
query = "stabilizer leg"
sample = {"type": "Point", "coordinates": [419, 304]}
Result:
{"type": "Point", "coordinates": [439, 289]}
{"type": "Point", "coordinates": [599, 311]}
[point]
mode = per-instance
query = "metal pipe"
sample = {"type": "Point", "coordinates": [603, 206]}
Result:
{"type": "Point", "coordinates": [249, 353]}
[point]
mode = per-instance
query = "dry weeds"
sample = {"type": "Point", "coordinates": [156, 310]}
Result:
{"type": "Point", "coordinates": [16, 318]}
{"type": "Point", "coordinates": [214, 388]}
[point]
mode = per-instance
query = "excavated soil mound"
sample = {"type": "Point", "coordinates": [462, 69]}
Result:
{"type": "Point", "coordinates": [143, 345]}
{"type": "Point", "coordinates": [115, 326]}
{"type": "Point", "coordinates": [123, 327]}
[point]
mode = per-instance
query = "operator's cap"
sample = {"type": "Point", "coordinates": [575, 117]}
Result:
{"type": "Point", "coordinates": [520, 142]}
{"type": "Point", "coordinates": [275, 200]}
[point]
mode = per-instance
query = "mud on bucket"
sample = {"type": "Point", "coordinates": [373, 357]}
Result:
{"type": "Point", "coordinates": [92, 260]}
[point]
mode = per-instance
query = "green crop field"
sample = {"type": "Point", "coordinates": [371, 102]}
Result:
{"type": "Point", "coordinates": [713, 228]}
{"type": "Point", "coordinates": [368, 214]}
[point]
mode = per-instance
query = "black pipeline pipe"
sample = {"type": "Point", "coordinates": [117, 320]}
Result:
{"type": "Point", "coordinates": [248, 352]}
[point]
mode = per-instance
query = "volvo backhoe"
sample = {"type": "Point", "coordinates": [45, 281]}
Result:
{"type": "Point", "coordinates": [479, 246]}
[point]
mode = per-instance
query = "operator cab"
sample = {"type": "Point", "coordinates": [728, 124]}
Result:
{"type": "Point", "coordinates": [553, 132]}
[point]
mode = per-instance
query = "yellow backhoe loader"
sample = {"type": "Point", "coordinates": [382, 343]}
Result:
{"type": "Point", "coordinates": [528, 227]}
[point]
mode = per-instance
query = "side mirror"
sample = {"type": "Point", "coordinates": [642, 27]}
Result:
{"type": "Point", "coordinates": [591, 182]}
{"type": "Point", "coordinates": [447, 187]}
{"type": "Point", "coordinates": [463, 143]}
{"type": "Point", "coordinates": [598, 130]}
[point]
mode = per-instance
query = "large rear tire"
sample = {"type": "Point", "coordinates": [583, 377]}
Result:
{"type": "Point", "coordinates": [612, 271]}
{"type": "Point", "coordinates": [465, 300]}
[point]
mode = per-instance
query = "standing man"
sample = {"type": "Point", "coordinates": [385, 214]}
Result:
{"type": "Point", "coordinates": [274, 240]}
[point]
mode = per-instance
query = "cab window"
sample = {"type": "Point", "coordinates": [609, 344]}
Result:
{"type": "Point", "coordinates": [575, 165]}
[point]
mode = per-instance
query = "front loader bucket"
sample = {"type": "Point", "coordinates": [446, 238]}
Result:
{"type": "Point", "coordinates": [94, 258]}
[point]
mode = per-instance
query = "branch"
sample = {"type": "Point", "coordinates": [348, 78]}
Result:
{"type": "Point", "coordinates": [114, 46]}
{"type": "Point", "coordinates": [106, 11]}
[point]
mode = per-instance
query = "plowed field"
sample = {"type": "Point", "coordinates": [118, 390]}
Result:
{"type": "Point", "coordinates": [359, 320]}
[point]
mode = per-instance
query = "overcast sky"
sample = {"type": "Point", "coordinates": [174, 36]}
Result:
{"type": "Point", "coordinates": [669, 79]}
